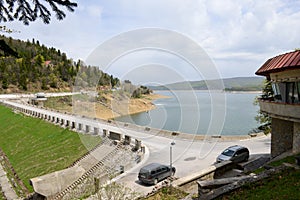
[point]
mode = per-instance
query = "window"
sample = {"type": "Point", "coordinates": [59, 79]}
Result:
{"type": "Point", "coordinates": [228, 152]}
{"type": "Point", "coordinates": [292, 93]}
{"type": "Point", "coordinates": [276, 90]}
{"type": "Point", "coordinates": [298, 91]}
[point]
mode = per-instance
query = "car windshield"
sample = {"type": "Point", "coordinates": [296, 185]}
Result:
{"type": "Point", "coordinates": [228, 152]}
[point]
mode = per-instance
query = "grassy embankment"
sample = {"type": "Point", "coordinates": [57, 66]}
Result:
{"type": "Point", "coordinates": [35, 147]}
{"type": "Point", "coordinates": [1, 196]}
{"type": "Point", "coordinates": [167, 193]}
{"type": "Point", "coordinates": [284, 185]}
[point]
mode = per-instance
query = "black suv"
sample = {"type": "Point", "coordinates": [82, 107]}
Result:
{"type": "Point", "coordinates": [155, 172]}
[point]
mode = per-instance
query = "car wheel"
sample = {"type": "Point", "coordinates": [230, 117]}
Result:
{"type": "Point", "coordinates": [247, 158]}
{"type": "Point", "coordinates": [155, 181]}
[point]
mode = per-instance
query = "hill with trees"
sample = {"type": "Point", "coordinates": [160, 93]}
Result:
{"type": "Point", "coordinates": [31, 66]}
{"type": "Point", "coordinates": [230, 84]}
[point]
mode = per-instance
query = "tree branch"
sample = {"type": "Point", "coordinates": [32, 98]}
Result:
{"type": "Point", "coordinates": [29, 10]}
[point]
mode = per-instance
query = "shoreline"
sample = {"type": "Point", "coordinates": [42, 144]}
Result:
{"type": "Point", "coordinates": [221, 91]}
{"type": "Point", "coordinates": [175, 135]}
{"type": "Point", "coordinates": [129, 107]}
{"type": "Point", "coordinates": [153, 106]}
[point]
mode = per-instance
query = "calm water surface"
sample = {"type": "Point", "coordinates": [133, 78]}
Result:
{"type": "Point", "coordinates": [195, 112]}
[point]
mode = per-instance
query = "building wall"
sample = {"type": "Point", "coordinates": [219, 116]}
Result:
{"type": "Point", "coordinates": [282, 136]}
{"type": "Point", "coordinates": [296, 138]}
{"type": "Point", "coordinates": [288, 75]}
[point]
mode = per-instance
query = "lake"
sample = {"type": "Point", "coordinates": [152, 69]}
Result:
{"type": "Point", "coordinates": [200, 112]}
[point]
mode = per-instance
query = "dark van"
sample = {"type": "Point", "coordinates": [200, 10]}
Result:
{"type": "Point", "coordinates": [155, 172]}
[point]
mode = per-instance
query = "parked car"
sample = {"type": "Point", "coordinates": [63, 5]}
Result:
{"type": "Point", "coordinates": [234, 153]}
{"type": "Point", "coordinates": [155, 172]}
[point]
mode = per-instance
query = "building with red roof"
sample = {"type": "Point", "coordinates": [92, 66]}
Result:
{"type": "Point", "coordinates": [284, 106]}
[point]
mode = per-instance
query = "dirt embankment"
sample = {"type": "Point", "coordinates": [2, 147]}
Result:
{"type": "Point", "coordinates": [116, 107]}
{"type": "Point", "coordinates": [108, 106]}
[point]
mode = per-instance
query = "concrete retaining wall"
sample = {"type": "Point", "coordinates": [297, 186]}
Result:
{"type": "Point", "coordinates": [209, 173]}
{"type": "Point", "coordinates": [67, 120]}
{"type": "Point", "coordinates": [282, 136]}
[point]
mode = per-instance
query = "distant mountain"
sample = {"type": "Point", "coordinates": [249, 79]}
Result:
{"type": "Point", "coordinates": [230, 84]}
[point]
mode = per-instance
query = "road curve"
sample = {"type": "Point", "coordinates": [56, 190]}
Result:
{"type": "Point", "coordinates": [188, 155]}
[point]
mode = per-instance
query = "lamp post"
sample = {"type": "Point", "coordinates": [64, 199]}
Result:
{"type": "Point", "coordinates": [172, 143]}
{"type": "Point", "coordinates": [171, 171]}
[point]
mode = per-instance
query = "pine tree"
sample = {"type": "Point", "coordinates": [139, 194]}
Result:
{"type": "Point", "coordinates": [28, 11]}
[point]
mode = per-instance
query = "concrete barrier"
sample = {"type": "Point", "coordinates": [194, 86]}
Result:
{"type": "Point", "coordinates": [127, 140]}
{"type": "Point", "coordinates": [115, 136]}
{"type": "Point", "coordinates": [87, 128]}
{"type": "Point", "coordinates": [73, 125]}
{"type": "Point", "coordinates": [208, 173]}
{"type": "Point", "coordinates": [138, 144]}
{"type": "Point", "coordinates": [79, 128]}
{"type": "Point", "coordinates": [96, 131]}
{"type": "Point", "coordinates": [105, 133]}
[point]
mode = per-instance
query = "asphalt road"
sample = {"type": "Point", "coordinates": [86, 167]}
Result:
{"type": "Point", "coordinates": [188, 156]}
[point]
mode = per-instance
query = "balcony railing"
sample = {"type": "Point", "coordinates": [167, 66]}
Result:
{"type": "Point", "coordinates": [280, 109]}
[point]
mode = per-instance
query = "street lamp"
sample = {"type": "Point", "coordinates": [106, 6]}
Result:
{"type": "Point", "coordinates": [172, 143]}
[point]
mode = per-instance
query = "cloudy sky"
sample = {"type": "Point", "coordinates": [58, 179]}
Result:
{"type": "Point", "coordinates": [238, 36]}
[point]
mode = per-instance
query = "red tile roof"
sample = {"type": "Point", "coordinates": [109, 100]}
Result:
{"type": "Point", "coordinates": [280, 63]}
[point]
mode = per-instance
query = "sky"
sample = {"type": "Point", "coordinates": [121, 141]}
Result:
{"type": "Point", "coordinates": [237, 36]}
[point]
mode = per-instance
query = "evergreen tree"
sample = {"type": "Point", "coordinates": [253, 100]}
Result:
{"type": "Point", "coordinates": [43, 67]}
{"type": "Point", "coordinates": [28, 11]}
{"type": "Point", "coordinates": [263, 118]}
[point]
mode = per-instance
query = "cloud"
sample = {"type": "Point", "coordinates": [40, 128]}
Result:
{"type": "Point", "coordinates": [236, 34]}
{"type": "Point", "coordinates": [95, 11]}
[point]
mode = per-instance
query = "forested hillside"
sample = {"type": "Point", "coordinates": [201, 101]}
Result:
{"type": "Point", "coordinates": [31, 66]}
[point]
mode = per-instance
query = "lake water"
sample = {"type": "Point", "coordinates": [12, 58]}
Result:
{"type": "Point", "coordinates": [200, 112]}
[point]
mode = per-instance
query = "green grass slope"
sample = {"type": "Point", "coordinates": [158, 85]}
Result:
{"type": "Point", "coordinates": [281, 186]}
{"type": "Point", "coordinates": [284, 185]}
{"type": "Point", "coordinates": [35, 147]}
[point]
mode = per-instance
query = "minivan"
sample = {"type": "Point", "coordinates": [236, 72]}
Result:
{"type": "Point", "coordinates": [234, 153]}
{"type": "Point", "coordinates": [155, 172]}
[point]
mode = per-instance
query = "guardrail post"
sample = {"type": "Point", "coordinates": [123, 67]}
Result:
{"type": "Point", "coordinates": [79, 126]}
{"type": "Point", "coordinates": [73, 125]}
{"type": "Point", "coordinates": [127, 140]}
{"type": "Point", "coordinates": [87, 128]}
{"type": "Point", "coordinates": [104, 133]}
{"type": "Point", "coordinates": [138, 144]}
{"type": "Point", "coordinates": [96, 131]}
{"type": "Point", "coordinates": [67, 123]}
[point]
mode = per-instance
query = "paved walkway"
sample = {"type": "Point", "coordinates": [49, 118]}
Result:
{"type": "Point", "coordinates": [6, 187]}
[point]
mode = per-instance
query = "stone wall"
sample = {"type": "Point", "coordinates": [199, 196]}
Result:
{"type": "Point", "coordinates": [282, 136]}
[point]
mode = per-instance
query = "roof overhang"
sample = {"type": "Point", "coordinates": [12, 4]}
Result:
{"type": "Point", "coordinates": [283, 62]}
